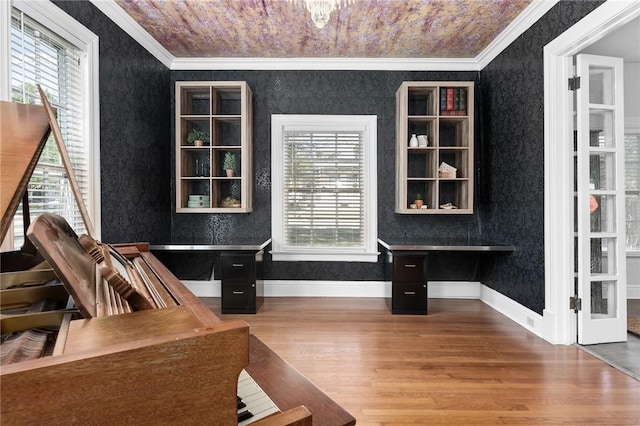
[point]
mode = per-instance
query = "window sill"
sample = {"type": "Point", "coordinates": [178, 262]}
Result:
{"type": "Point", "coordinates": [317, 256]}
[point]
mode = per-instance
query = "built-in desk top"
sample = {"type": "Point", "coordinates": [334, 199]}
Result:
{"type": "Point", "coordinates": [443, 244]}
{"type": "Point", "coordinates": [233, 246]}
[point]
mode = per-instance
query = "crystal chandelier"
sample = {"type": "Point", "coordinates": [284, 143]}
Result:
{"type": "Point", "coordinates": [321, 9]}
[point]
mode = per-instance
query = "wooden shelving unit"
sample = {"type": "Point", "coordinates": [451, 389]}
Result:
{"type": "Point", "coordinates": [443, 112]}
{"type": "Point", "coordinates": [223, 110]}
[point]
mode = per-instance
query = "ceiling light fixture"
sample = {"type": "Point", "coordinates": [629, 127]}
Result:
{"type": "Point", "coordinates": [321, 9]}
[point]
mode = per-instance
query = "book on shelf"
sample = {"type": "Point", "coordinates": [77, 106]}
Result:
{"type": "Point", "coordinates": [450, 99]}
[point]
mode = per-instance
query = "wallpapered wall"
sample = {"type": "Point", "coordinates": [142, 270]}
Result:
{"type": "Point", "coordinates": [512, 206]}
{"type": "Point", "coordinates": [134, 128]}
{"type": "Point", "coordinates": [137, 154]}
{"type": "Point", "coordinates": [317, 92]}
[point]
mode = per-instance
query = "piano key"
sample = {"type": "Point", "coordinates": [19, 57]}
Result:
{"type": "Point", "coordinates": [256, 400]}
{"type": "Point", "coordinates": [244, 415]}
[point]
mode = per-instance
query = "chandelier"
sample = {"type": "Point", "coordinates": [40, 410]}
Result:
{"type": "Point", "coordinates": [321, 9]}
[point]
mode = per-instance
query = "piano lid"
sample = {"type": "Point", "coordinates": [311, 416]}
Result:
{"type": "Point", "coordinates": [24, 130]}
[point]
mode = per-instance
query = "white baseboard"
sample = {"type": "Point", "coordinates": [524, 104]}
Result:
{"type": "Point", "coordinates": [203, 288]}
{"type": "Point", "coordinates": [633, 291]}
{"type": "Point", "coordinates": [528, 319]}
{"type": "Point", "coordinates": [292, 288]}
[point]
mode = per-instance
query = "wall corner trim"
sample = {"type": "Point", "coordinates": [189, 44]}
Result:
{"type": "Point", "coordinates": [131, 27]}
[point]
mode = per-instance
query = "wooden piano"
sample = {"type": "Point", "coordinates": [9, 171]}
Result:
{"type": "Point", "coordinates": [128, 356]}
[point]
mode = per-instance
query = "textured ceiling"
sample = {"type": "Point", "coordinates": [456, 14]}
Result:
{"type": "Point", "coordinates": [362, 29]}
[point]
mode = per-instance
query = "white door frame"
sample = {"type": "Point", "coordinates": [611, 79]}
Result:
{"type": "Point", "coordinates": [560, 321]}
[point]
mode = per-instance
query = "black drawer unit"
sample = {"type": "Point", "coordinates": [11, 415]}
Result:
{"type": "Point", "coordinates": [409, 284]}
{"type": "Point", "coordinates": [241, 291]}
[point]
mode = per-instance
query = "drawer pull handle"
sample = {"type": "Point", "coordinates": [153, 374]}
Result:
{"type": "Point", "coordinates": [410, 265]}
{"type": "Point", "coordinates": [238, 292]}
{"type": "Point", "coordinates": [238, 265]}
{"type": "Point", "coordinates": [410, 293]}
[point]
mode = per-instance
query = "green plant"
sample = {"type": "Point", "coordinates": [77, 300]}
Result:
{"type": "Point", "coordinates": [229, 161]}
{"type": "Point", "coordinates": [195, 135]}
{"type": "Point", "coordinates": [418, 196]}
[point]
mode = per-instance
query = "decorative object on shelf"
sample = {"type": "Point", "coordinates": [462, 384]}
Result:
{"type": "Point", "coordinates": [198, 138]}
{"type": "Point", "coordinates": [198, 201]}
{"type": "Point", "coordinates": [447, 171]}
{"type": "Point", "coordinates": [321, 9]}
{"type": "Point", "coordinates": [413, 142]}
{"type": "Point", "coordinates": [418, 201]}
{"type": "Point", "coordinates": [448, 206]}
{"type": "Point", "coordinates": [423, 141]}
{"type": "Point", "coordinates": [230, 202]}
{"type": "Point", "coordinates": [229, 163]}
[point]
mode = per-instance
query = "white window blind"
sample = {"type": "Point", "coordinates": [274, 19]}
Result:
{"type": "Point", "coordinates": [39, 56]}
{"type": "Point", "coordinates": [324, 188]}
{"type": "Point", "coordinates": [324, 193]}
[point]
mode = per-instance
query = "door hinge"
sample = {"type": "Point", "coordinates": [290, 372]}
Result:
{"type": "Point", "coordinates": [574, 83]}
{"type": "Point", "coordinates": [575, 303]}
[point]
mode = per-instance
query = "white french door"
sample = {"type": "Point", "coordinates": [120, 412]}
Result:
{"type": "Point", "coordinates": [600, 222]}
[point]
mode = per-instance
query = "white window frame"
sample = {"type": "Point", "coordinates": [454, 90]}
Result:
{"type": "Point", "coordinates": [292, 122]}
{"type": "Point", "coordinates": [55, 19]}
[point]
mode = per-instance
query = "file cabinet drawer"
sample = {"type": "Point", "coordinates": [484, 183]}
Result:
{"type": "Point", "coordinates": [239, 267]}
{"type": "Point", "coordinates": [238, 297]}
{"type": "Point", "coordinates": [410, 268]}
{"type": "Point", "coordinates": [409, 298]}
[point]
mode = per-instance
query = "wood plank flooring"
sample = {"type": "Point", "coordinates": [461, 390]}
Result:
{"type": "Point", "coordinates": [464, 363]}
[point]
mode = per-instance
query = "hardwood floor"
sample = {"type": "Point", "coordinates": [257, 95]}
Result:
{"type": "Point", "coordinates": [464, 363]}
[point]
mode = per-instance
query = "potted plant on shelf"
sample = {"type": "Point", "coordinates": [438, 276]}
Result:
{"type": "Point", "coordinates": [418, 201]}
{"type": "Point", "coordinates": [229, 163]}
{"type": "Point", "coordinates": [198, 138]}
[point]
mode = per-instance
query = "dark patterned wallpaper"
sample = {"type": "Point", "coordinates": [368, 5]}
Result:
{"type": "Point", "coordinates": [318, 92]}
{"type": "Point", "coordinates": [512, 205]}
{"type": "Point", "coordinates": [135, 137]}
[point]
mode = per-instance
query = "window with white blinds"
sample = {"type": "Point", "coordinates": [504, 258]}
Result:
{"type": "Point", "coordinates": [324, 188]}
{"type": "Point", "coordinates": [39, 56]}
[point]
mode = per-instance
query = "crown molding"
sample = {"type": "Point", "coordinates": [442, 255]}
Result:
{"type": "Point", "coordinates": [131, 27]}
{"type": "Point", "coordinates": [358, 64]}
{"type": "Point", "coordinates": [529, 16]}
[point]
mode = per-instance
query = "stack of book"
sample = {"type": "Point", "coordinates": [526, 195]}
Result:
{"type": "Point", "coordinates": [453, 101]}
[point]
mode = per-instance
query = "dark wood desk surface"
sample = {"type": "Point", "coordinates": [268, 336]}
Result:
{"type": "Point", "coordinates": [288, 389]}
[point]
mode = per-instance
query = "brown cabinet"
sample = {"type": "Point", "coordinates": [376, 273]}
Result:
{"type": "Point", "coordinates": [213, 147]}
{"type": "Point", "coordinates": [434, 147]}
